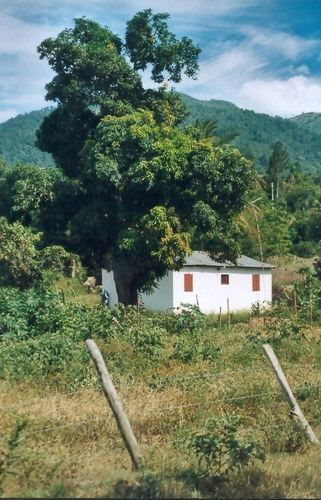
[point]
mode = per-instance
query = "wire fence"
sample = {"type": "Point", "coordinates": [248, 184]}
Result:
{"type": "Point", "coordinates": [104, 445]}
{"type": "Point", "coordinates": [206, 376]}
{"type": "Point", "coordinates": [184, 404]}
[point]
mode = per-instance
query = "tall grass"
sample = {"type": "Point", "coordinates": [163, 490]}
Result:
{"type": "Point", "coordinates": [172, 375]}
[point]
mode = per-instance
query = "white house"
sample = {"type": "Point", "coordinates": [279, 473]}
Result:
{"type": "Point", "coordinates": [213, 286]}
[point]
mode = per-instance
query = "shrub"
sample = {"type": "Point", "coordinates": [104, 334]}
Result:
{"type": "Point", "coordinates": [51, 357]}
{"type": "Point", "coordinates": [190, 319]}
{"type": "Point", "coordinates": [220, 450]}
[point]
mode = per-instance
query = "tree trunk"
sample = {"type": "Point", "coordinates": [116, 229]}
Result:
{"type": "Point", "coordinates": [125, 281]}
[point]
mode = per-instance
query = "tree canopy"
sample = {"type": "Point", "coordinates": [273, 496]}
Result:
{"type": "Point", "coordinates": [148, 190]}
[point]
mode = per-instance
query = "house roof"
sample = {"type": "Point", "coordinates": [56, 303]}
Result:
{"type": "Point", "coordinates": [203, 259]}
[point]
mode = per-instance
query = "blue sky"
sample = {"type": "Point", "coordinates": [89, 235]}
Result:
{"type": "Point", "coordinates": [263, 55]}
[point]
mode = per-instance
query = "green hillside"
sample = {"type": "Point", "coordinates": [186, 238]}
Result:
{"type": "Point", "coordinates": [257, 134]}
{"type": "Point", "coordinates": [310, 121]}
{"type": "Point", "coordinates": [17, 140]}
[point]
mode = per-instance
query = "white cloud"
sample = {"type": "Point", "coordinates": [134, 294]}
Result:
{"type": "Point", "coordinates": [255, 67]}
{"type": "Point", "coordinates": [21, 37]}
{"type": "Point", "coordinates": [278, 42]}
{"type": "Point", "coordinates": [7, 113]}
{"type": "Point", "coordinates": [201, 7]}
{"type": "Point", "coordinates": [221, 76]}
{"type": "Point", "coordinates": [285, 98]}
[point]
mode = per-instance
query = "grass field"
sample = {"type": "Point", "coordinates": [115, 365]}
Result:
{"type": "Point", "coordinates": [59, 437]}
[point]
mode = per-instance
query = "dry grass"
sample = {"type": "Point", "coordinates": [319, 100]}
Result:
{"type": "Point", "coordinates": [72, 446]}
{"type": "Point", "coordinates": [73, 291]}
{"type": "Point", "coordinates": [288, 271]}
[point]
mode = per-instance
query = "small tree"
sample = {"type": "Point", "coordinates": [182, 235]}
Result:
{"type": "Point", "coordinates": [18, 255]}
{"type": "Point", "coordinates": [279, 161]}
{"type": "Point", "coordinates": [21, 262]}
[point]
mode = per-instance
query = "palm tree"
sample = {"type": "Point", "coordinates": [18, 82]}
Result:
{"type": "Point", "coordinates": [208, 129]}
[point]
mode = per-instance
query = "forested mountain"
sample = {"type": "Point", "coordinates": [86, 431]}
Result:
{"type": "Point", "coordinates": [256, 136]}
{"type": "Point", "coordinates": [310, 121]}
{"type": "Point", "coordinates": [258, 132]}
{"type": "Point", "coordinates": [17, 139]}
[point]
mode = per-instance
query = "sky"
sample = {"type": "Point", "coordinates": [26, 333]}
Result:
{"type": "Point", "coordinates": [262, 55]}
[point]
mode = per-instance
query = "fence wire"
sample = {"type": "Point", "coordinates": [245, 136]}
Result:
{"type": "Point", "coordinates": [158, 380]}
{"type": "Point", "coordinates": [164, 409]}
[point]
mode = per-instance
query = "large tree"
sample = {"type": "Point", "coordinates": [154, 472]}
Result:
{"type": "Point", "coordinates": [149, 190]}
{"type": "Point", "coordinates": [94, 78]}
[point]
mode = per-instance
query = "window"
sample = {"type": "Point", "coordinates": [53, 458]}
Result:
{"type": "Point", "coordinates": [255, 282]}
{"type": "Point", "coordinates": [225, 279]}
{"type": "Point", "coordinates": [188, 282]}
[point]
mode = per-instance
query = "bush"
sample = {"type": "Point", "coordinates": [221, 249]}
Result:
{"type": "Point", "coordinates": [219, 449]}
{"type": "Point", "coordinates": [18, 255]}
{"type": "Point", "coordinates": [189, 318]}
{"type": "Point", "coordinates": [304, 249]}
{"type": "Point", "coordinates": [38, 311]}
{"type": "Point", "coordinates": [49, 358]}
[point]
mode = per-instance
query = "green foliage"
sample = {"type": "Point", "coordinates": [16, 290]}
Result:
{"type": "Point", "coordinates": [18, 255]}
{"type": "Point", "coordinates": [265, 228]}
{"type": "Point", "coordinates": [274, 228]}
{"type": "Point", "coordinates": [17, 140]}
{"type": "Point", "coordinates": [31, 190]}
{"type": "Point", "coordinates": [149, 341]}
{"type": "Point", "coordinates": [309, 296]}
{"type": "Point", "coordinates": [189, 318]}
{"type": "Point", "coordinates": [56, 359]}
{"type": "Point", "coordinates": [40, 373]}
{"type": "Point", "coordinates": [39, 311]}
{"type": "Point", "coordinates": [39, 198]}
{"type": "Point", "coordinates": [283, 328]}
{"type": "Point", "coordinates": [145, 186]}
{"type": "Point", "coordinates": [190, 344]}
{"type": "Point", "coordinates": [149, 42]}
{"type": "Point", "coordinates": [22, 264]}
{"type": "Point", "coordinates": [185, 350]}
{"type": "Point", "coordinates": [220, 450]}
{"type": "Point", "coordinates": [9, 456]}
{"type": "Point", "coordinates": [255, 134]}
{"type": "Point", "coordinates": [278, 163]}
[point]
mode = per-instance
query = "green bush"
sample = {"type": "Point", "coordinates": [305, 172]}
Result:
{"type": "Point", "coordinates": [220, 450]}
{"type": "Point", "coordinates": [189, 318]}
{"type": "Point", "coordinates": [38, 311]}
{"type": "Point", "coordinates": [305, 249]}
{"type": "Point", "coordinates": [49, 359]}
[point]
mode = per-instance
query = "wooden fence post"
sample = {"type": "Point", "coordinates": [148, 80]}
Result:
{"type": "Point", "coordinates": [295, 306]}
{"type": "Point", "coordinates": [296, 411]}
{"type": "Point", "coordinates": [115, 405]}
{"type": "Point", "coordinates": [73, 268]}
{"type": "Point", "coordinates": [228, 313]}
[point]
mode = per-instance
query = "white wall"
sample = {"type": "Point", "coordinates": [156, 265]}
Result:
{"type": "Point", "coordinates": [208, 292]}
{"type": "Point", "coordinates": [108, 283]}
{"type": "Point", "coordinates": [211, 295]}
{"type": "Point", "coordinates": [161, 300]}
{"type": "Point", "coordinates": [162, 297]}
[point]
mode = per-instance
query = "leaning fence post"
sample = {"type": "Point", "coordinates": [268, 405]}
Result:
{"type": "Point", "coordinates": [115, 405]}
{"type": "Point", "coordinates": [296, 411]}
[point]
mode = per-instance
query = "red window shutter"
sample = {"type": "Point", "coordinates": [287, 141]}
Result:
{"type": "Point", "coordinates": [255, 282]}
{"type": "Point", "coordinates": [188, 282]}
{"type": "Point", "coordinates": [225, 279]}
